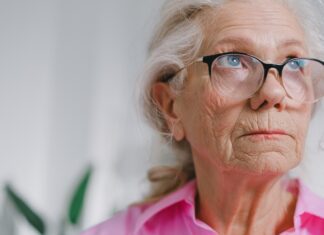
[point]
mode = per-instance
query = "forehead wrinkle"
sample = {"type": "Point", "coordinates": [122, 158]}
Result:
{"type": "Point", "coordinates": [250, 42]}
{"type": "Point", "coordinates": [223, 29]}
{"type": "Point", "coordinates": [255, 20]}
{"type": "Point", "coordinates": [261, 13]}
{"type": "Point", "coordinates": [255, 46]}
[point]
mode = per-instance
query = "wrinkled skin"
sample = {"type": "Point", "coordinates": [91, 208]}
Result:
{"type": "Point", "coordinates": [232, 153]}
{"type": "Point", "coordinates": [215, 125]}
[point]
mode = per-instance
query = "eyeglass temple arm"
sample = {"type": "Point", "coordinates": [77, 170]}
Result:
{"type": "Point", "coordinates": [201, 59]}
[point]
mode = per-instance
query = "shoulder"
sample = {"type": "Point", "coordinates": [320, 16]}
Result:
{"type": "Point", "coordinates": [120, 224]}
{"type": "Point", "coordinates": [141, 219]}
{"type": "Point", "coordinates": [151, 217]}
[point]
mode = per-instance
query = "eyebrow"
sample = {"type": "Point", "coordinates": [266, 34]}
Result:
{"type": "Point", "coordinates": [247, 43]}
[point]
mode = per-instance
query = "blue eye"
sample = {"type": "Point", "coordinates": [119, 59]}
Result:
{"type": "Point", "coordinates": [230, 61]}
{"type": "Point", "coordinates": [296, 64]}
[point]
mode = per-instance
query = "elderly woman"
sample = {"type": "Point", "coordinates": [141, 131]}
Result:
{"type": "Point", "coordinates": [233, 84]}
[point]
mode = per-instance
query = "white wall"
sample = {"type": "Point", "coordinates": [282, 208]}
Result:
{"type": "Point", "coordinates": [26, 58]}
{"type": "Point", "coordinates": [68, 69]}
{"type": "Point", "coordinates": [67, 78]}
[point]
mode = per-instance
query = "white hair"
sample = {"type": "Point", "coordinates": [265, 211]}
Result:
{"type": "Point", "coordinates": [177, 41]}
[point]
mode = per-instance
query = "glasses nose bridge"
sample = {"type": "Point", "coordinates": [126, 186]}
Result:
{"type": "Point", "coordinates": [267, 67]}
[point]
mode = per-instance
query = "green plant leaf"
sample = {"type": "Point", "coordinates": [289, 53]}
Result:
{"type": "Point", "coordinates": [35, 220]}
{"type": "Point", "coordinates": [77, 201]}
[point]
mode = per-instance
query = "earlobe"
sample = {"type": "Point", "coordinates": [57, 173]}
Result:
{"type": "Point", "coordinates": [165, 99]}
{"type": "Point", "coordinates": [178, 132]}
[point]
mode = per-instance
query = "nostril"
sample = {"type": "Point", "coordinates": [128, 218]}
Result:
{"type": "Point", "coordinates": [265, 103]}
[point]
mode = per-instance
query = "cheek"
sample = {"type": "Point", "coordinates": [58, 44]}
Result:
{"type": "Point", "coordinates": [208, 122]}
{"type": "Point", "coordinates": [302, 124]}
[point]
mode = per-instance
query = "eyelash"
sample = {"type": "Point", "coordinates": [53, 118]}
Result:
{"type": "Point", "coordinates": [292, 57]}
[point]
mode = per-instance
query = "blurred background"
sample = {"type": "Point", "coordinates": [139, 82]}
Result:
{"type": "Point", "coordinates": [68, 76]}
{"type": "Point", "coordinates": [69, 70]}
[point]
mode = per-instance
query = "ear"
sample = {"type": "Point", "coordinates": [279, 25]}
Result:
{"type": "Point", "coordinates": [165, 100]}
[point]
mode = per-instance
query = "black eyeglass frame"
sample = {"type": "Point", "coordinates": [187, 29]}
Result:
{"type": "Point", "coordinates": [209, 59]}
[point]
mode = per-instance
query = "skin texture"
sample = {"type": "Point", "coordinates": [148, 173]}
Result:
{"type": "Point", "coordinates": [242, 149]}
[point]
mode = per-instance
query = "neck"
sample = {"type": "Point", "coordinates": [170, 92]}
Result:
{"type": "Point", "coordinates": [233, 203]}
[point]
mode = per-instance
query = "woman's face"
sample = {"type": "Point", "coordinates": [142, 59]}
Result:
{"type": "Point", "coordinates": [263, 134]}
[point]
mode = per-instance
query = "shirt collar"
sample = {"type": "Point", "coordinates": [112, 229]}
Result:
{"type": "Point", "coordinates": [184, 194]}
{"type": "Point", "coordinates": [307, 202]}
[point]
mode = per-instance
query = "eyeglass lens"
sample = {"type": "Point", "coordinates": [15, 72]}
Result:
{"type": "Point", "coordinates": [239, 76]}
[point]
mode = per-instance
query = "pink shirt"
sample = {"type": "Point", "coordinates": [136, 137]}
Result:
{"type": "Point", "coordinates": [175, 215]}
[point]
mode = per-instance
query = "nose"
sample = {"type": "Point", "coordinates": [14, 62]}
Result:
{"type": "Point", "coordinates": [271, 94]}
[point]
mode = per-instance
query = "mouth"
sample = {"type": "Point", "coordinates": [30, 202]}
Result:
{"type": "Point", "coordinates": [266, 134]}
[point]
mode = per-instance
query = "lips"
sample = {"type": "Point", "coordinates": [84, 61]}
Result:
{"type": "Point", "coordinates": [265, 133]}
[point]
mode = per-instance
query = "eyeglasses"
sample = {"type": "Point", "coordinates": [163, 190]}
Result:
{"type": "Point", "coordinates": [240, 76]}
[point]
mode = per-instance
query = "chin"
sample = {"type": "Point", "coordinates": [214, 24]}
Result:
{"type": "Point", "coordinates": [267, 164]}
